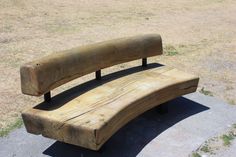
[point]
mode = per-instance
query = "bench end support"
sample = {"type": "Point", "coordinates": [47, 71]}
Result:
{"type": "Point", "coordinates": [163, 108]}
{"type": "Point", "coordinates": [47, 97]}
{"type": "Point", "coordinates": [144, 62]}
{"type": "Point", "coordinates": [98, 75]}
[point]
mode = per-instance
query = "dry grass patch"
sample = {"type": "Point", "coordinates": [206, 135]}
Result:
{"type": "Point", "coordinates": [31, 29]}
{"type": "Point", "coordinates": [170, 50]}
{"type": "Point", "coordinates": [6, 130]}
{"type": "Point", "coordinates": [206, 92]}
{"type": "Point", "coordinates": [217, 144]}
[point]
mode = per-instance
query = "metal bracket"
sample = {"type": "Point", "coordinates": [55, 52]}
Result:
{"type": "Point", "coordinates": [98, 75]}
{"type": "Point", "coordinates": [47, 97]}
{"type": "Point", "coordinates": [144, 62]}
{"type": "Point", "coordinates": [163, 108]}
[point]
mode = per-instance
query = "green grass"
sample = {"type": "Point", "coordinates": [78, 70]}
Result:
{"type": "Point", "coordinates": [170, 50]}
{"type": "Point", "coordinates": [231, 102]}
{"type": "Point", "coordinates": [5, 131]}
{"type": "Point", "coordinates": [206, 92]}
{"type": "Point", "coordinates": [205, 149]}
{"type": "Point", "coordinates": [227, 139]}
{"type": "Point", "coordinates": [234, 125]}
{"type": "Point", "coordinates": [196, 155]}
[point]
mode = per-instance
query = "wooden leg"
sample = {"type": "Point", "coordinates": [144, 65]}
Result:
{"type": "Point", "coordinates": [163, 108]}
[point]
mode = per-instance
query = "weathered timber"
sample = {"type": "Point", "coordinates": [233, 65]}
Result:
{"type": "Point", "coordinates": [92, 117]}
{"type": "Point", "coordinates": [40, 76]}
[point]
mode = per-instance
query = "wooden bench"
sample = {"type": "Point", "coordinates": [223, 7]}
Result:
{"type": "Point", "coordinates": [88, 115]}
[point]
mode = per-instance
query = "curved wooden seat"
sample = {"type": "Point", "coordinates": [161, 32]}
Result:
{"type": "Point", "coordinates": [92, 117]}
{"type": "Point", "coordinates": [89, 117]}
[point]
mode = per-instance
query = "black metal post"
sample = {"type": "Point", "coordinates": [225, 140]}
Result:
{"type": "Point", "coordinates": [98, 75]}
{"type": "Point", "coordinates": [162, 108]}
{"type": "Point", "coordinates": [144, 62]}
{"type": "Point", "coordinates": [47, 97]}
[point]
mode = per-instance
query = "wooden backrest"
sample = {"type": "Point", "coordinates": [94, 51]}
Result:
{"type": "Point", "coordinates": [42, 75]}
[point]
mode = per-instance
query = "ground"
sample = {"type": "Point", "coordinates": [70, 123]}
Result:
{"type": "Point", "coordinates": [194, 127]}
{"type": "Point", "coordinates": [199, 37]}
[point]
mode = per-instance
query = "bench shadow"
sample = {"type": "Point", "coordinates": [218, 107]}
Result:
{"type": "Point", "coordinates": [133, 137]}
{"type": "Point", "coordinates": [62, 98]}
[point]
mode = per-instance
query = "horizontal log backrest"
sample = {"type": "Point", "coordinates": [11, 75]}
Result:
{"type": "Point", "coordinates": [40, 76]}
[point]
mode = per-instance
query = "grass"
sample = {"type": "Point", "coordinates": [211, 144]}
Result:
{"type": "Point", "coordinates": [229, 88]}
{"type": "Point", "coordinates": [196, 155]}
{"type": "Point", "coordinates": [227, 139]}
{"type": "Point", "coordinates": [205, 149]}
{"type": "Point", "coordinates": [231, 102]}
{"type": "Point", "coordinates": [5, 131]}
{"type": "Point", "coordinates": [206, 92]}
{"type": "Point", "coordinates": [170, 50]}
{"type": "Point", "coordinates": [63, 29]}
{"type": "Point", "coordinates": [215, 143]}
{"type": "Point", "coordinates": [234, 125]}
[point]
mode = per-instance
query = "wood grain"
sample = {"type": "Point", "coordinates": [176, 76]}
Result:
{"type": "Point", "coordinates": [92, 116]}
{"type": "Point", "coordinates": [42, 75]}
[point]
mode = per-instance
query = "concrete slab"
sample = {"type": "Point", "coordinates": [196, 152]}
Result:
{"type": "Point", "coordinates": [191, 120]}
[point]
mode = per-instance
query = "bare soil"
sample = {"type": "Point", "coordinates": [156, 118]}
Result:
{"type": "Point", "coordinates": [202, 33]}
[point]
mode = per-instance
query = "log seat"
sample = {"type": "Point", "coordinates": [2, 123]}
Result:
{"type": "Point", "coordinates": [91, 113]}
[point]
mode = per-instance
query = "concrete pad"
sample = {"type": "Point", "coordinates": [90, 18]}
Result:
{"type": "Point", "coordinates": [191, 120]}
